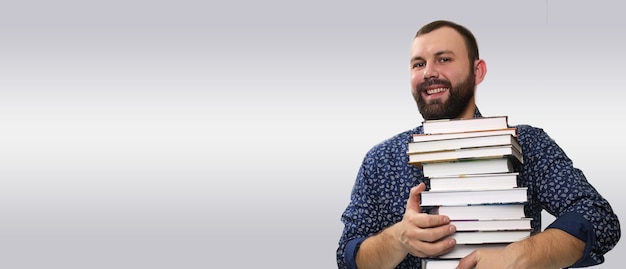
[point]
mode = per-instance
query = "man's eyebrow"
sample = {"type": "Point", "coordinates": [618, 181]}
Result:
{"type": "Point", "coordinates": [439, 53]}
{"type": "Point", "coordinates": [417, 58]}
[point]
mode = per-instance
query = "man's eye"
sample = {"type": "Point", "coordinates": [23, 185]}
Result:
{"type": "Point", "coordinates": [443, 60]}
{"type": "Point", "coordinates": [418, 65]}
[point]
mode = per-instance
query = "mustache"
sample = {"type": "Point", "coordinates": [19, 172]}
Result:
{"type": "Point", "coordinates": [433, 81]}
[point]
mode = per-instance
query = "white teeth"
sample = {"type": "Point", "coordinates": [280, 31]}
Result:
{"type": "Point", "coordinates": [438, 90]}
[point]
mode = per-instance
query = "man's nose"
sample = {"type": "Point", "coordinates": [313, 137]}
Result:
{"type": "Point", "coordinates": [430, 71]}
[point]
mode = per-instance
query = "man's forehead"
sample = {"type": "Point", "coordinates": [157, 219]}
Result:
{"type": "Point", "coordinates": [437, 41]}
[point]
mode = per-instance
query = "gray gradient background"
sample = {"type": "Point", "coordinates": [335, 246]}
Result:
{"type": "Point", "coordinates": [186, 134]}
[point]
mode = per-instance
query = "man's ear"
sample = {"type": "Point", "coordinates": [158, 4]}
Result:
{"type": "Point", "coordinates": [480, 70]}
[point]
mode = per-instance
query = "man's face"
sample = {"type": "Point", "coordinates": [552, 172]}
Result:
{"type": "Point", "coordinates": [442, 81]}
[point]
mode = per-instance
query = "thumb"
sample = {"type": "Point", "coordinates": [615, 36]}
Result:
{"type": "Point", "coordinates": [470, 261]}
{"type": "Point", "coordinates": [414, 198]}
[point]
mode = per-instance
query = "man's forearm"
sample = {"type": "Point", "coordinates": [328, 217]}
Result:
{"type": "Point", "coordinates": [379, 251]}
{"type": "Point", "coordinates": [552, 248]}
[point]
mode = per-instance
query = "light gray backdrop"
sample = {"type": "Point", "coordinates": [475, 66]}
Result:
{"type": "Point", "coordinates": [194, 134]}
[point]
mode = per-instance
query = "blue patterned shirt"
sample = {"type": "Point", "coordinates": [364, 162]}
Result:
{"type": "Point", "coordinates": [385, 178]}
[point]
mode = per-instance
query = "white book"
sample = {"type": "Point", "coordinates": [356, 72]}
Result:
{"type": "Point", "coordinates": [440, 264]}
{"type": "Point", "coordinates": [430, 137]}
{"type": "Point", "coordinates": [492, 225]}
{"type": "Point", "coordinates": [474, 197]}
{"type": "Point", "coordinates": [474, 182]}
{"type": "Point", "coordinates": [466, 142]}
{"type": "Point", "coordinates": [480, 212]}
{"type": "Point", "coordinates": [472, 166]}
{"type": "Point", "coordinates": [465, 125]}
{"type": "Point", "coordinates": [466, 154]}
{"type": "Point", "coordinates": [485, 237]}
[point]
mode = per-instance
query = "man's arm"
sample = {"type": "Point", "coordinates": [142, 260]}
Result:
{"type": "Point", "coordinates": [381, 251]}
{"type": "Point", "coordinates": [563, 191]}
{"type": "Point", "coordinates": [418, 234]}
{"type": "Point", "coordinates": [552, 248]}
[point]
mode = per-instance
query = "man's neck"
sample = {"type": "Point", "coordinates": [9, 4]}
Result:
{"type": "Point", "coordinates": [471, 111]}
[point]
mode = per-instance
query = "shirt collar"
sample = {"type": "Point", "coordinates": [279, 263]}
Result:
{"type": "Point", "coordinates": [477, 113]}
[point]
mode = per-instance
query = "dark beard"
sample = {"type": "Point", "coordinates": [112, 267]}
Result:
{"type": "Point", "coordinates": [458, 100]}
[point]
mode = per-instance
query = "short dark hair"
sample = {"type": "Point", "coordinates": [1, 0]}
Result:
{"type": "Point", "coordinates": [470, 40]}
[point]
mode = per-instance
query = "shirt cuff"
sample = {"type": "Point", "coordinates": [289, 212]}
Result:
{"type": "Point", "coordinates": [350, 251]}
{"type": "Point", "coordinates": [574, 224]}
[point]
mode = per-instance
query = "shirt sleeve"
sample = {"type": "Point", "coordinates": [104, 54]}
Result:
{"type": "Point", "coordinates": [576, 225]}
{"type": "Point", "coordinates": [562, 190]}
{"type": "Point", "coordinates": [352, 247]}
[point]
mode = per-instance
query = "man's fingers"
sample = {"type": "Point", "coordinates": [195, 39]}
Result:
{"type": "Point", "coordinates": [414, 198]}
{"type": "Point", "coordinates": [424, 220]}
{"type": "Point", "coordinates": [432, 249]}
{"type": "Point", "coordinates": [468, 262]}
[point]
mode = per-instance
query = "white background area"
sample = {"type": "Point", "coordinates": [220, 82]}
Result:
{"type": "Point", "coordinates": [194, 134]}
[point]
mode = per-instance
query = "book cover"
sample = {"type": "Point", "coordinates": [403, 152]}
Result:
{"type": "Point", "coordinates": [440, 263]}
{"type": "Point", "coordinates": [466, 142]}
{"type": "Point", "coordinates": [480, 212]}
{"type": "Point", "coordinates": [465, 125]}
{"type": "Point", "coordinates": [470, 166]}
{"type": "Point", "coordinates": [474, 182]}
{"type": "Point", "coordinates": [466, 154]}
{"type": "Point", "coordinates": [492, 224]}
{"type": "Point", "coordinates": [431, 137]}
{"type": "Point", "coordinates": [487, 237]}
{"type": "Point", "coordinates": [474, 197]}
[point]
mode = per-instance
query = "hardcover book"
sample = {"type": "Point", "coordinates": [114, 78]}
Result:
{"type": "Point", "coordinates": [480, 212]}
{"type": "Point", "coordinates": [468, 167]}
{"type": "Point", "coordinates": [466, 154]}
{"type": "Point", "coordinates": [474, 197]}
{"type": "Point", "coordinates": [430, 137]}
{"type": "Point", "coordinates": [474, 182]}
{"type": "Point", "coordinates": [461, 143]}
{"type": "Point", "coordinates": [492, 225]}
{"type": "Point", "coordinates": [486, 237]}
{"type": "Point", "coordinates": [439, 263]}
{"type": "Point", "coordinates": [465, 125]}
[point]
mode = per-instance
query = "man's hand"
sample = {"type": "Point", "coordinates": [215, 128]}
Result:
{"type": "Point", "coordinates": [488, 258]}
{"type": "Point", "coordinates": [420, 233]}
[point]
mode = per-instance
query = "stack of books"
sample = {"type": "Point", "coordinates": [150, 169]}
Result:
{"type": "Point", "coordinates": [471, 164]}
